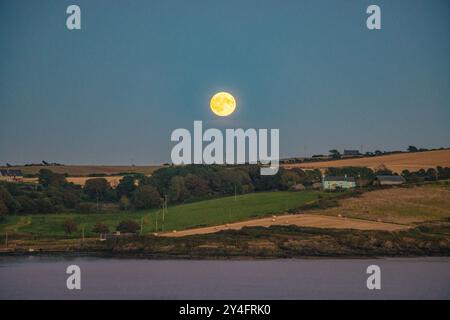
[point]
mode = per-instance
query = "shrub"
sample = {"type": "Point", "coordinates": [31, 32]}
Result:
{"type": "Point", "coordinates": [70, 226]}
{"type": "Point", "coordinates": [128, 226]}
{"type": "Point", "coordinates": [100, 228]}
{"type": "Point", "coordinates": [85, 207]}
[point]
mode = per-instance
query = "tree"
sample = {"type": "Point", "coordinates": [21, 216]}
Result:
{"type": "Point", "coordinates": [100, 228]}
{"type": "Point", "coordinates": [48, 178]}
{"type": "Point", "coordinates": [70, 226]}
{"type": "Point", "coordinates": [147, 197]}
{"type": "Point", "coordinates": [196, 185]}
{"type": "Point", "coordinates": [125, 187]}
{"type": "Point", "coordinates": [70, 198]}
{"type": "Point", "coordinates": [412, 149]}
{"type": "Point", "coordinates": [128, 226]}
{"type": "Point", "coordinates": [10, 203]}
{"type": "Point", "coordinates": [96, 188]}
{"type": "Point", "coordinates": [335, 154]}
{"type": "Point", "coordinates": [45, 205]}
{"type": "Point", "coordinates": [124, 203]}
{"type": "Point", "coordinates": [288, 179]}
{"type": "Point", "coordinates": [177, 189]}
{"type": "Point", "coordinates": [382, 170]}
{"type": "Point", "coordinates": [3, 210]}
{"type": "Point", "coordinates": [28, 205]}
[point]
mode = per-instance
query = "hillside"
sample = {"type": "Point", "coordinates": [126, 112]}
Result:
{"type": "Point", "coordinates": [396, 162]}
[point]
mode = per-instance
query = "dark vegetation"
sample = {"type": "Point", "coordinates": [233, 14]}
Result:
{"type": "Point", "coordinates": [177, 184]}
{"type": "Point", "coordinates": [429, 239]}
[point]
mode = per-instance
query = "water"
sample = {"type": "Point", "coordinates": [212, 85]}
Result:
{"type": "Point", "coordinates": [111, 278]}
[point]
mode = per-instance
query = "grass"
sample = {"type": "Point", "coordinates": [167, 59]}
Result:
{"type": "Point", "coordinates": [197, 214]}
{"type": "Point", "coordinates": [398, 205]}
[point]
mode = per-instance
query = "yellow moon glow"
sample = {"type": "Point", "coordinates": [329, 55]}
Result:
{"type": "Point", "coordinates": [223, 104]}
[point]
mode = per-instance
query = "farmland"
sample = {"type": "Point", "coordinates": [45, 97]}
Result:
{"type": "Point", "coordinates": [395, 162]}
{"type": "Point", "coordinates": [198, 214]}
{"type": "Point", "coordinates": [412, 205]}
{"type": "Point", "coordinates": [86, 170]}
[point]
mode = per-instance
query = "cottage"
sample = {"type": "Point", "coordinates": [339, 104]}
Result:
{"type": "Point", "coordinates": [389, 180]}
{"type": "Point", "coordinates": [11, 175]}
{"type": "Point", "coordinates": [338, 182]}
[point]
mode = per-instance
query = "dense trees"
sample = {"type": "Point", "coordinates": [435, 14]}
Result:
{"type": "Point", "coordinates": [96, 188]}
{"type": "Point", "coordinates": [49, 178]}
{"type": "Point", "coordinates": [177, 183]}
{"type": "Point", "coordinates": [147, 197]}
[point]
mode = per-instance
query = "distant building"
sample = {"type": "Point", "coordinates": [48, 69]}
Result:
{"type": "Point", "coordinates": [11, 175]}
{"type": "Point", "coordinates": [389, 180]}
{"type": "Point", "coordinates": [351, 153]}
{"type": "Point", "coordinates": [338, 182]}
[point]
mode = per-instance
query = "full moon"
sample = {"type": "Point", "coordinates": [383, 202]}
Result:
{"type": "Point", "coordinates": [223, 104]}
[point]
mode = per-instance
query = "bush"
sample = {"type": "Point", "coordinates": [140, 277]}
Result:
{"type": "Point", "coordinates": [100, 228]}
{"type": "Point", "coordinates": [70, 226]}
{"type": "Point", "coordinates": [86, 207]}
{"type": "Point", "coordinates": [128, 226]}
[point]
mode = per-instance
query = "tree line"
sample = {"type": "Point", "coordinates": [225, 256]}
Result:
{"type": "Point", "coordinates": [177, 184]}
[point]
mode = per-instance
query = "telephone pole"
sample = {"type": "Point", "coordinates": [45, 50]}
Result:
{"type": "Point", "coordinates": [164, 211]}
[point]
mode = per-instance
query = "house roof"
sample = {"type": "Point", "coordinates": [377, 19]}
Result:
{"type": "Point", "coordinates": [339, 178]}
{"type": "Point", "coordinates": [393, 178]}
{"type": "Point", "coordinates": [10, 172]}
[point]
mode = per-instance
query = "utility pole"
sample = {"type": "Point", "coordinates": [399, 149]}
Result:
{"type": "Point", "coordinates": [142, 223]}
{"type": "Point", "coordinates": [164, 212]}
{"type": "Point", "coordinates": [156, 222]}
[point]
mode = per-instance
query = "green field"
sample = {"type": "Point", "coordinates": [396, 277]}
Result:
{"type": "Point", "coordinates": [179, 217]}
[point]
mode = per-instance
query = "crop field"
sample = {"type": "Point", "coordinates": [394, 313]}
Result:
{"type": "Point", "coordinates": [396, 162]}
{"type": "Point", "coordinates": [85, 170]}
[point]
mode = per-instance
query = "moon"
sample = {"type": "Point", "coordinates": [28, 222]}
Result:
{"type": "Point", "coordinates": [223, 104]}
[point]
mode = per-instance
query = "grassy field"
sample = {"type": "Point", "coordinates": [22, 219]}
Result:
{"type": "Point", "coordinates": [396, 162]}
{"type": "Point", "coordinates": [397, 205]}
{"type": "Point", "coordinates": [197, 214]}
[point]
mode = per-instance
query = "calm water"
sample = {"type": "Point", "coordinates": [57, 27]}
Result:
{"type": "Point", "coordinates": [104, 278]}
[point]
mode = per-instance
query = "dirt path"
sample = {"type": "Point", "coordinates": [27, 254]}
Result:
{"type": "Point", "coordinates": [303, 220]}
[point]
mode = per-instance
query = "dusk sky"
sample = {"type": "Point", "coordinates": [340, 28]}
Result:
{"type": "Point", "coordinates": [112, 92]}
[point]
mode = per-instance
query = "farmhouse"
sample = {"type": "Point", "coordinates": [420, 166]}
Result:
{"type": "Point", "coordinates": [11, 175]}
{"type": "Point", "coordinates": [351, 153]}
{"type": "Point", "coordinates": [338, 182]}
{"type": "Point", "coordinates": [389, 180]}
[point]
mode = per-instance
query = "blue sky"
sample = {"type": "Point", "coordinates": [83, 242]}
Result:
{"type": "Point", "coordinates": [113, 92]}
